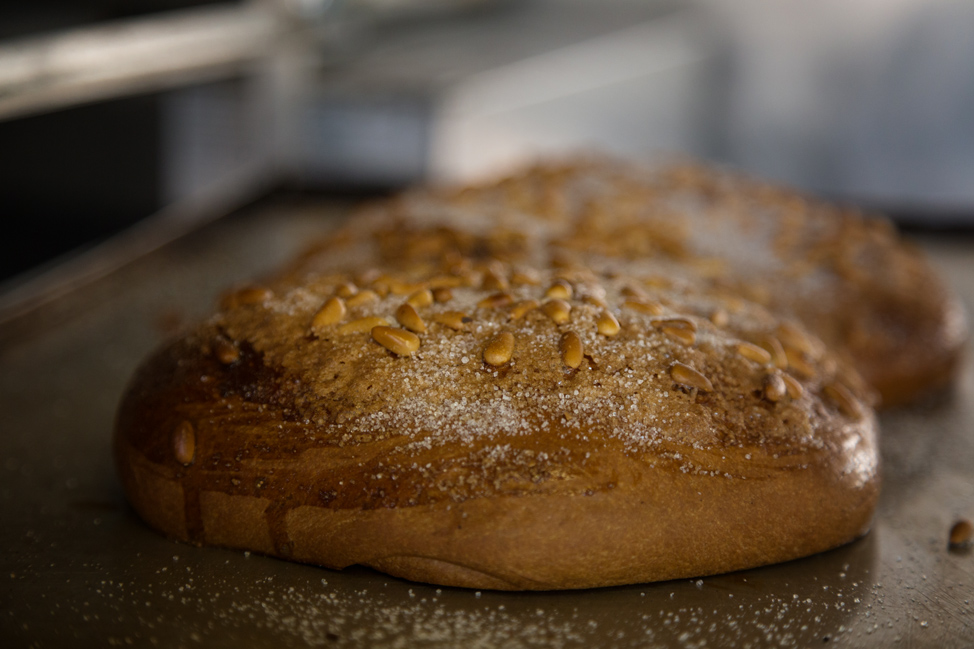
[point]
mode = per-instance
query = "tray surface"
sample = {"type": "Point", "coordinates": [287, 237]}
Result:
{"type": "Point", "coordinates": [78, 563]}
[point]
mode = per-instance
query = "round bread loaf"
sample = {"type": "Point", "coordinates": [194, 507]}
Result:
{"type": "Point", "coordinates": [850, 279]}
{"type": "Point", "coordinates": [496, 426]}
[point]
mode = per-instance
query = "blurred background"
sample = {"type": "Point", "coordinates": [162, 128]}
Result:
{"type": "Point", "coordinates": [154, 116]}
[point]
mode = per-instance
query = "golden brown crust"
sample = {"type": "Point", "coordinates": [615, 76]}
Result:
{"type": "Point", "coordinates": [665, 525]}
{"type": "Point", "coordinates": [519, 445]}
{"type": "Point", "coordinates": [849, 278]}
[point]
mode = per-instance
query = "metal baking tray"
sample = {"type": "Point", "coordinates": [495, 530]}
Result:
{"type": "Point", "coordinates": [79, 567]}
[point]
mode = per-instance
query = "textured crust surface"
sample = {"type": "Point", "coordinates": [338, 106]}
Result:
{"type": "Point", "coordinates": [850, 279]}
{"type": "Point", "coordinates": [692, 432]}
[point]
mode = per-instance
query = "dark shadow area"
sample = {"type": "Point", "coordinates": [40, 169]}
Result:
{"type": "Point", "coordinates": [75, 177]}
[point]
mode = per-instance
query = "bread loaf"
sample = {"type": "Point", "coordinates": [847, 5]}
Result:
{"type": "Point", "coordinates": [849, 278]}
{"type": "Point", "coordinates": [457, 416]}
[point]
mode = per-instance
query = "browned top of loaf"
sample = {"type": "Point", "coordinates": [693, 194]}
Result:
{"type": "Point", "coordinates": [868, 294]}
{"type": "Point", "coordinates": [517, 381]}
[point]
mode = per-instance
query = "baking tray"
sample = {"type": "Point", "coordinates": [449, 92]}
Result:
{"type": "Point", "coordinates": [79, 567]}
